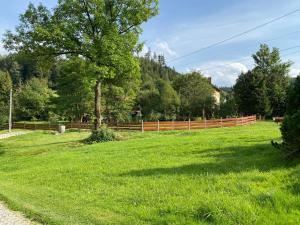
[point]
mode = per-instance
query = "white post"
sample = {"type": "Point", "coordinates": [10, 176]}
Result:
{"type": "Point", "coordinates": [142, 126]}
{"type": "Point", "coordinates": [189, 124]}
{"type": "Point", "coordinates": [10, 112]}
{"type": "Point", "coordinates": [158, 125]}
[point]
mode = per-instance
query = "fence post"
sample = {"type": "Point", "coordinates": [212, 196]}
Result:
{"type": "Point", "coordinates": [242, 120]}
{"type": "Point", "coordinates": [158, 125]}
{"type": "Point", "coordinates": [205, 123]}
{"type": "Point", "coordinates": [189, 124]}
{"type": "Point", "coordinates": [142, 126]}
{"type": "Point", "coordinates": [221, 122]}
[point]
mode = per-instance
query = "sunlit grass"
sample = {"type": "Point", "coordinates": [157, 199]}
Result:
{"type": "Point", "coordinates": [217, 176]}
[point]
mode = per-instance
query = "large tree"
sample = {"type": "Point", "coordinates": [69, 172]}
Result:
{"type": "Point", "coordinates": [196, 95]}
{"type": "Point", "coordinates": [250, 92]}
{"type": "Point", "coordinates": [33, 100]}
{"type": "Point", "coordinates": [158, 100]}
{"type": "Point", "coordinates": [5, 87]}
{"type": "Point", "coordinates": [290, 128]}
{"type": "Point", "coordinates": [105, 32]}
{"type": "Point", "coordinates": [266, 85]}
{"type": "Point", "coordinates": [75, 92]}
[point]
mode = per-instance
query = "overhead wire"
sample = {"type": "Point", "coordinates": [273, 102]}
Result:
{"type": "Point", "coordinates": [235, 36]}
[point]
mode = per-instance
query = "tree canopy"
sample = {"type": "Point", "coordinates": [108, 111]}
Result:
{"type": "Point", "coordinates": [196, 95]}
{"type": "Point", "coordinates": [5, 87]}
{"type": "Point", "coordinates": [263, 90]}
{"type": "Point", "coordinates": [103, 32]}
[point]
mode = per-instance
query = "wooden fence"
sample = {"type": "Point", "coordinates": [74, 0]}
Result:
{"type": "Point", "coordinates": [148, 126]}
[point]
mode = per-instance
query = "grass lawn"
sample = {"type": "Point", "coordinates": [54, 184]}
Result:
{"type": "Point", "coordinates": [217, 176]}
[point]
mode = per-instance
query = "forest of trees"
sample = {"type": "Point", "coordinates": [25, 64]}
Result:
{"type": "Point", "coordinates": [62, 90]}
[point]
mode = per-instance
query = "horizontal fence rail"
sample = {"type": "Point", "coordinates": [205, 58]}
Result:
{"type": "Point", "coordinates": [147, 126]}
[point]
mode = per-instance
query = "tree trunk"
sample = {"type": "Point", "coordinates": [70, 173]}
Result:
{"type": "Point", "coordinates": [98, 122]}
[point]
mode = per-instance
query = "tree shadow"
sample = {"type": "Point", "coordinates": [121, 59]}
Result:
{"type": "Point", "coordinates": [2, 149]}
{"type": "Point", "coordinates": [51, 144]}
{"type": "Point", "coordinates": [227, 160]}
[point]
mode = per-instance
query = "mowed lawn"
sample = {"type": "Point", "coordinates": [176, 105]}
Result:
{"type": "Point", "coordinates": [218, 176]}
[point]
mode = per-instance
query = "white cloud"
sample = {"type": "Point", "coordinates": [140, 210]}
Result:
{"type": "Point", "coordinates": [294, 72]}
{"type": "Point", "coordinates": [162, 47]}
{"type": "Point", "coordinates": [144, 51]}
{"type": "Point", "coordinates": [2, 50]}
{"type": "Point", "coordinates": [224, 73]}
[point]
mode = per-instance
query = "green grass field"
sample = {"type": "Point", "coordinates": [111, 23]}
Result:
{"type": "Point", "coordinates": [218, 176]}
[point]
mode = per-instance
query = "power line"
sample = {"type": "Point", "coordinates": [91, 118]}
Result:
{"type": "Point", "coordinates": [242, 60]}
{"type": "Point", "coordinates": [264, 41]}
{"type": "Point", "coordinates": [235, 36]}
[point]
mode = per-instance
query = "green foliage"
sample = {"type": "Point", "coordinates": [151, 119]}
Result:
{"type": "Point", "coordinates": [8, 63]}
{"type": "Point", "coordinates": [196, 95]}
{"type": "Point", "coordinates": [159, 98]}
{"type": "Point", "coordinates": [250, 93]}
{"type": "Point", "coordinates": [119, 95]}
{"type": "Point", "coordinates": [156, 69]}
{"type": "Point", "coordinates": [228, 106]}
{"type": "Point", "coordinates": [293, 99]}
{"type": "Point", "coordinates": [74, 89]}
{"type": "Point", "coordinates": [104, 134]}
{"type": "Point", "coordinates": [53, 118]}
{"type": "Point", "coordinates": [5, 87]}
{"type": "Point", "coordinates": [263, 90]}
{"type": "Point", "coordinates": [290, 128]}
{"type": "Point", "coordinates": [103, 32]}
{"type": "Point", "coordinates": [33, 100]}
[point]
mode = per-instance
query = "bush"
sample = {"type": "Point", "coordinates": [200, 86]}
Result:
{"type": "Point", "coordinates": [104, 134]}
{"type": "Point", "coordinates": [53, 118]}
{"type": "Point", "coordinates": [290, 130]}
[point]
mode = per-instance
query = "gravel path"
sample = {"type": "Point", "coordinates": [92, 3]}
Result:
{"type": "Point", "coordinates": [8, 217]}
{"type": "Point", "coordinates": [12, 134]}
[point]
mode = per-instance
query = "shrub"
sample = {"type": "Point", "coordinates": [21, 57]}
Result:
{"type": "Point", "coordinates": [290, 130]}
{"type": "Point", "coordinates": [53, 118]}
{"type": "Point", "coordinates": [104, 134]}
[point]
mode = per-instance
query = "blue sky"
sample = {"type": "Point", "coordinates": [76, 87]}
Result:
{"type": "Point", "coordinates": [185, 26]}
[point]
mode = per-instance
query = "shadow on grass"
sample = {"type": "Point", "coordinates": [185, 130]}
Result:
{"type": "Point", "coordinates": [71, 143]}
{"type": "Point", "coordinates": [224, 161]}
{"type": "Point", "coordinates": [2, 149]}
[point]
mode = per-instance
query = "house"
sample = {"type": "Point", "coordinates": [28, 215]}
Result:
{"type": "Point", "coordinates": [216, 92]}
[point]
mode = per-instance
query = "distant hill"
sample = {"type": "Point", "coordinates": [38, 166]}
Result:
{"type": "Point", "coordinates": [155, 68]}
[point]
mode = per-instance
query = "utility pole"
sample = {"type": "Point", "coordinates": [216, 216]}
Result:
{"type": "Point", "coordinates": [10, 112]}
